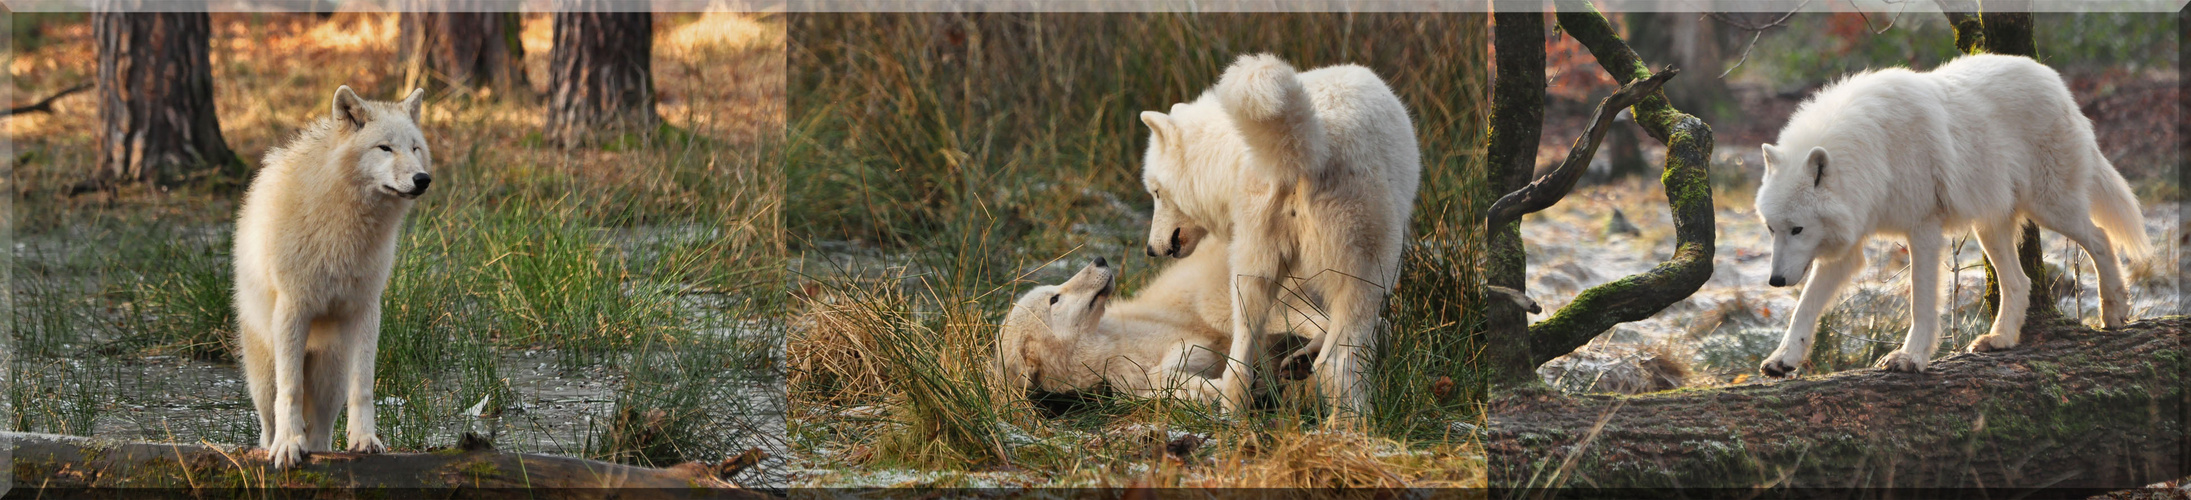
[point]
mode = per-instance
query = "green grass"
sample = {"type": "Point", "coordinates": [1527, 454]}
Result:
{"type": "Point", "coordinates": [939, 165]}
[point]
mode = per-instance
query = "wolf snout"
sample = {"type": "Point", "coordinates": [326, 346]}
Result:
{"type": "Point", "coordinates": [419, 182]}
{"type": "Point", "coordinates": [1102, 263]}
{"type": "Point", "coordinates": [1777, 280]}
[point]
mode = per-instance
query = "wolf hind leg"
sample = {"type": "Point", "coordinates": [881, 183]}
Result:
{"type": "Point", "coordinates": [1998, 239]}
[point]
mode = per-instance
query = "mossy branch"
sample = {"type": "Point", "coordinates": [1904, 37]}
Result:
{"type": "Point", "coordinates": [1688, 153]}
{"type": "Point", "coordinates": [1550, 188]}
{"type": "Point", "coordinates": [2072, 407]}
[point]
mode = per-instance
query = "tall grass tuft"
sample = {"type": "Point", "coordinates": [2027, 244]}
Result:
{"type": "Point", "coordinates": [940, 164]}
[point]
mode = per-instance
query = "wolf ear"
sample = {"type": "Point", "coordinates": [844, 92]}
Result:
{"type": "Point", "coordinates": [351, 109]}
{"type": "Point", "coordinates": [411, 104]}
{"type": "Point", "coordinates": [1769, 150]}
{"type": "Point", "coordinates": [1160, 127]}
{"type": "Point", "coordinates": [1817, 164]}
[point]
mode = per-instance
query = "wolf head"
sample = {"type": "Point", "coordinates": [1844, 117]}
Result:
{"type": "Point", "coordinates": [1163, 167]}
{"type": "Point", "coordinates": [1798, 204]}
{"type": "Point", "coordinates": [1045, 321]}
{"type": "Point", "coordinates": [390, 153]}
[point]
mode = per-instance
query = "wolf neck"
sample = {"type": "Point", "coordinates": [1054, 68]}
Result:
{"type": "Point", "coordinates": [1214, 173]}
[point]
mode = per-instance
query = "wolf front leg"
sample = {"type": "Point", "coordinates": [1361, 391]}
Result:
{"type": "Point", "coordinates": [292, 325]}
{"type": "Point", "coordinates": [364, 345]}
{"type": "Point", "coordinates": [1924, 336]}
{"type": "Point", "coordinates": [1826, 280]}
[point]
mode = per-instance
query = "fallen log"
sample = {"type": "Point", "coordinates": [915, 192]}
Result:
{"type": "Point", "coordinates": [2073, 408]}
{"type": "Point", "coordinates": [76, 467]}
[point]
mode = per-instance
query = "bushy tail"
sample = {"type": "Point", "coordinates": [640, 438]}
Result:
{"type": "Point", "coordinates": [1274, 114]}
{"type": "Point", "coordinates": [2115, 210]}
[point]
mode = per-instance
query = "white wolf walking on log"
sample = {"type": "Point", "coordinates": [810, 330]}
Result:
{"type": "Point", "coordinates": [1311, 176]}
{"type": "Point", "coordinates": [314, 244]}
{"type": "Point", "coordinates": [1983, 141]}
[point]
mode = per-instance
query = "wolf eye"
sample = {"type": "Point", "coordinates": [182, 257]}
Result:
{"type": "Point", "coordinates": [1053, 300]}
{"type": "Point", "coordinates": [1796, 231]}
{"type": "Point", "coordinates": [384, 147]}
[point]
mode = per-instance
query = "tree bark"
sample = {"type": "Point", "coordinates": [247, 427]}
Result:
{"type": "Point", "coordinates": [600, 74]}
{"type": "Point", "coordinates": [1689, 195]}
{"type": "Point", "coordinates": [2071, 408]}
{"type": "Point", "coordinates": [1517, 119]}
{"type": "Point", "coordinates": [78, 466]}
{"type": "Point", "coordinates": [155, 92]}
{"type": "Point", "coordinates": [476, 52]}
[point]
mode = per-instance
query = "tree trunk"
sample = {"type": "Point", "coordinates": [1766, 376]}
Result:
{"type": "Point", "coordinates": [1517, 119]}
{"type": "Point", "coordinates": [76, 466]}
{"type": "Point", "coordinates": [2071, 408]}
{"type": "Point", "coordinates": [155, 91]}
{"type": "Point", "coordinates": [600, 74]}
{"type": "Point", "coordinates": [1996, 28]}
{"type": "Point", "coordinates": [476, 52]}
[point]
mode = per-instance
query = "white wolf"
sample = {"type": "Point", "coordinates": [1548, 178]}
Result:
{"type": "Point", "coordinates": [314, 244]}
{"type": "Point", "coordinates": [1310, 175]}
{"type": "Point", "coordinates": [1169, 340]}
{"type": "Point", "coordinates": [1979, 142]}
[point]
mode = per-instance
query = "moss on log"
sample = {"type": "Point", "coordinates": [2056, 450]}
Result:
{"type": "Point", "coordinates": [1689, 144]}
{"type": "Point", "coordinates": [71, 466]}
{"type": "Point", "coordinates": [2072, 408]}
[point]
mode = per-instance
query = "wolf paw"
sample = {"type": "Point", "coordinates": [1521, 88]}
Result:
{"type": "Point", "coordinates": [1899, 361]}
{"type": "Point", "coordinates": [286, 453]}
{"type": "Point", "coordinates": [369, 443]}
{"type": "Point", "coordinates": [1299, 365]}
{"type": "Point", "coordinates": [1775, 368]}
{"type": "Point", "coordinates": [1991, 342]}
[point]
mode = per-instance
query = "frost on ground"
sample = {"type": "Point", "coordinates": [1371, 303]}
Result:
{"type": "Point", "coordinates": [1719, 334]}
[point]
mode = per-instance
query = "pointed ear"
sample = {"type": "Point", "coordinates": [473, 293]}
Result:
{"type": "Point", "coordinates": [1817, 165]}
{"type": "Point", "coordinates": [1160, 127]}
{"type": "Point", "coordinates": [350, 109]}
{"type": "Point", "coordinates": [411, 104]}
{"type": "Point", "coordinates": [1769, 151]}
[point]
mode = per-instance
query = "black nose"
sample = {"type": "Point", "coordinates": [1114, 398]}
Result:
{"type": "Point", "coordinates": [1101, 263]}
{"type": "Point", "coordinates": [1779, 281]}
{"type": "Point", "coordinates": [419, 182]}
{"type": "Point", "coordinates": [1151, 250]}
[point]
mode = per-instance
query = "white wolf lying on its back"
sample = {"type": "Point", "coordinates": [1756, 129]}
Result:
{"type": "Point", "coordinates": [1310, 175]}
{"type": "Point", "coordinates": [1169, 340]}
{"type": "Point", "coordinates": [314, 244]}
{"type": "Point", "coordinates": [1979, 142]}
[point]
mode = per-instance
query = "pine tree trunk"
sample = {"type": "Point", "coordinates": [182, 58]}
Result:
{"type": "Point", "coordinates": [155, 92]}
{"type": "Point", "coordinates": [600, 73]}
{"type": "Point", "coordinates": [476, 52]}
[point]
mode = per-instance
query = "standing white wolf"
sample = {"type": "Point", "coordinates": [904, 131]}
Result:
{"type": "Point", "coordinates": [1309, 175]}
{"type": "Point", "coordinates": [314, 244]}
{"type": "Point", "coordinates": [1979, 142]}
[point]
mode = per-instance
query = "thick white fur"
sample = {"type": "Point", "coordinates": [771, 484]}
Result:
{"type": "Point", "coordinates": [1982, 142]}
{"type": "Point", "coordinates": [314, 244]}
{"type": "Point", "coordinates": [1169, 340]}
{"type": "Point", "coordinates": [1310, 175]}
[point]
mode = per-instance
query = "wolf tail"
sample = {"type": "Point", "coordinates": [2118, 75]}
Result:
{"type": "Point", "coordinates": [2115, 210]}
{"type": "Point", "coordinates": [1273, 113]}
